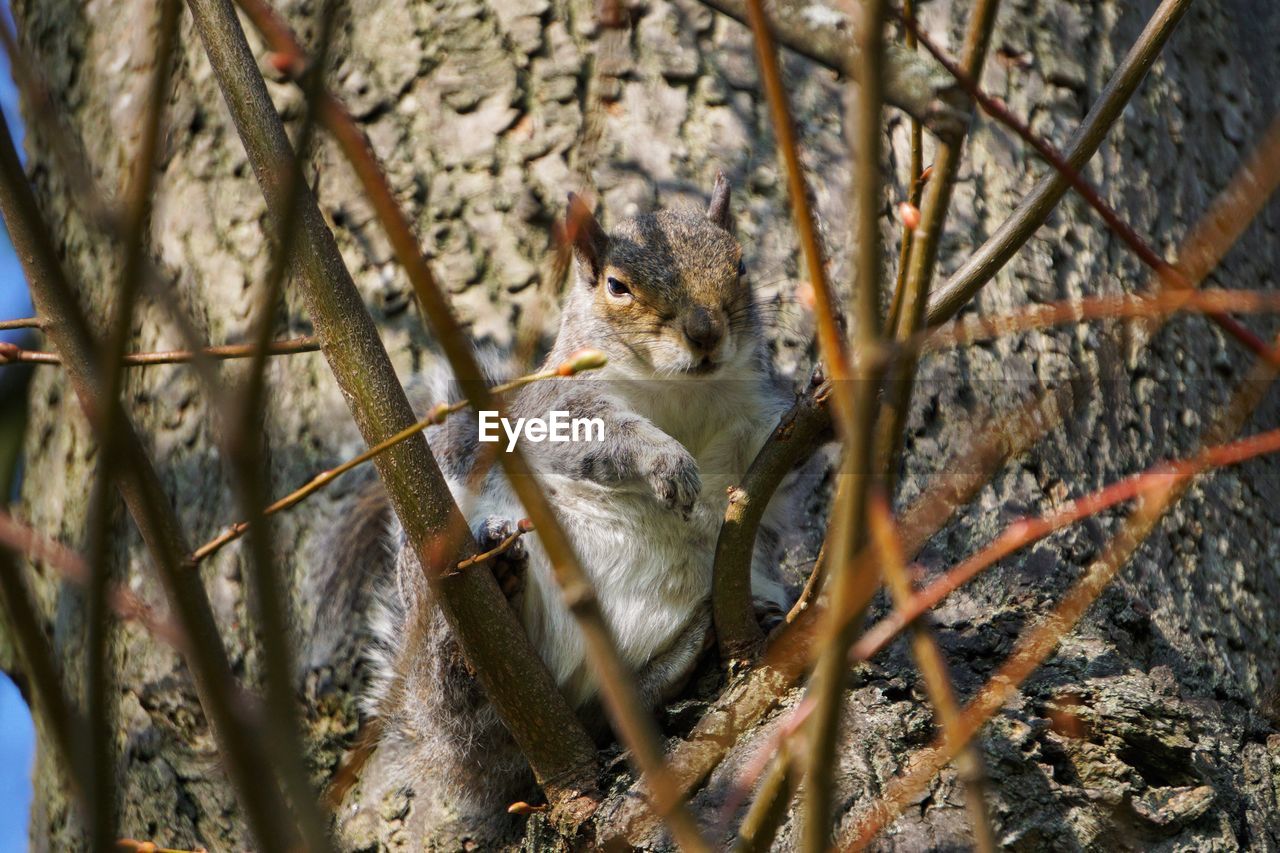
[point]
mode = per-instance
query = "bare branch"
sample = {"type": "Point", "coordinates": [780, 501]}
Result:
{"type": "Point", "coordinates": [588, 360]}
{"type": "Point", "coordinates": [1023, 532]}
{"type": "Point", "coordinates": [49, 700]}
{"type": "Point", "coordinates": [830, 340]}
{"type": "Point", "coordinates": [509, 670]}
{"type": "Point", "coordinates": [853, 581]}
{"type": "Point", "coordinates": [790, 652]}
{"type": "Point", "coordinates": [1168, 274]}
{"type": "Point", "coordinates": [72, 568]}
{"type": "Point", "coordinates": [11, 354]}
{"type": "Point", "coordinates": [911, 82]}
{"type": "Point", "coordinates": [631, 721]}
{"type": "Point", "coordinates": [946, 300]}
{"type": "Point", "coordinates": [1038, 642]}
{"type": "Point", "coordinates": [933, 669]}
{"type": "Point", "coordinates": [243, 754]}
{"type": "Point", "coordinates": [924, 249]}
{"type": "Point", "coordinates": [970, 330]}
{"type": "Point", "coordinates": [100, 691]}
{"type": "Point", "coordinates": [795, 439]}
{"type": "Point", "coordinates": [915, 181]}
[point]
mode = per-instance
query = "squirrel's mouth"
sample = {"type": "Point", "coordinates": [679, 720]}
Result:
{"type": "Point", "coordinates": [703, 366]}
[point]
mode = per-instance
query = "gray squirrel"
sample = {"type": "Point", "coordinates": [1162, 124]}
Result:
{"type": "Point", "coordinates": [687, 399]}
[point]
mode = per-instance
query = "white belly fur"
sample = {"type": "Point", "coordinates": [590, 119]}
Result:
{"type": "Point", "coordinates": [650, 567]}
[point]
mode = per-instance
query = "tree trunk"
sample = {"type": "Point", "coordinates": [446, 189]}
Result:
{"type": "Point", "coordinates": [484, 116]}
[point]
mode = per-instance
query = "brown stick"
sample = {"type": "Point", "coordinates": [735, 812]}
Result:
{"type": "Point", "coordinates": [243, 755]}
{"type": "Point", "coordinates": [790, 651]}
{"type": "Point", "coordinates": [933, 670]}
{"type": "Point", "coordinates": [494, 643]}
{"type": "Point", "coordinates": [588, 360]}
{"type": "Point", "coordinates": [924, 251]}
{"type": "Point", "coordinates": [1038, 642]}
{"type": "Point", "coordinates": [1023, 532]}
{"type": "Point", "coordinates": [10, 354]}
{"type": "Point", "coordinates": [632, 722]}
{"type": "Point", "coordinates": [852, 581]}
{"type": "Point", "coordinates": [911, 82]}
{"type": "Point", "coordinates": [946, 300]}
{"type": "Point", "coordinates": [795, 439]}
{"type": "Point", "coordinates": [1169, 275]}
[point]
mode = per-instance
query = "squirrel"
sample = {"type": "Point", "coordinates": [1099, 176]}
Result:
{"type": "Point", "coordinates": [687, 398]}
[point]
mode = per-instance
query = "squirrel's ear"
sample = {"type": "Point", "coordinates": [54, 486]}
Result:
{"type": "Point", "coordinates": [718, 211]}
{"type": "Point", "coordinates": [587, 238]}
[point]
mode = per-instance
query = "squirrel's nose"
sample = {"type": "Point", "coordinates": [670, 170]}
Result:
{"type": "Point", "coordinates": [703, 329]}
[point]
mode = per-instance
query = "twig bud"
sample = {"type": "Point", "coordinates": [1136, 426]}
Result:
{"type": "Point", "coordinates": [286, 63]}
{"type": "Point", "coordinates": [926, 175]}
{"type": "Point", "coordinates": [806, 295]}
{"type": "Point", "coordinates": [910, 215]}
{"type": "Point", "coordinates": [523, 808]}
{"type": "Point", "coordinates": [439, 412]}
{"type": "Point", "coordinates": [583, 359]}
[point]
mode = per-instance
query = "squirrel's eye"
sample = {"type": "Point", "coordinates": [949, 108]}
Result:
{"type": "Point", "coordinates": [742, 268]}
{"type": "Point", "coordinates": [616, 288]}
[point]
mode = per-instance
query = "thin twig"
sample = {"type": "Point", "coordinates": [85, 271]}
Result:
{"type": "Point", "coordinates": [1169, 275]}
{"type": "Point", "coordinates": [348, 773]}
{"type": "Point", "coordinates": [852, 581]}
{"type": "Point", "coordinates": [971, 330]}
{"type": "Point", "coordinates": [924, 250]}
{"type": "Point", "coordinates": [73, 568]}
{"type": "Point", "coordinates": [132, 845]}
{"type": "Point", "coordinates": [911, 82]}
{"type": "Point", "coordinates": [243, 755]}
{"type": "Point", "coordinates": [586, 360]}
{"type": "Point", "coordinates": [490, 637]}
{"type": "Point", "coordinates": [23, 323]}
{"type": "Point", "coordinates": [796, 438]}
{"type": "Point", "coordinates": [915, 188]}
{"type": "Point", "coordinates": [1025, 531]}
{"type": "Point", "coordinates": [10, 354]}
{"type": "Point", "coordinates": [241, 425]}
{"type": "Point", "coordinates": [830, 340]}
{"type": "Point", "coordinates": [100, 688]}
{"type": "Point", "coordinates": [86, 195]}
{"type": "Point", "coordinates": [933, 670]}
{"type": "Point", "coordinates": [1039, 641]}
{"type": "Point", "coordinates": [790, 651]}
{"type": "Point", "coordinates": [946, 300]}
{"type": "Point", "coordinates": [524, 527]}
{"type": "Point", "coordinates": [633, 724]}
{"type": "Point", "coordinates": [769, 808]}
{"type": "Point", "coordinates": [1229, 215]}
{"type": "Point", "coordinates": [49, 700]}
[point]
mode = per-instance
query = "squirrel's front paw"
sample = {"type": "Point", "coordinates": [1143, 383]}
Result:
{"type": "Point", "coordinates": [675, 480]}
{"type": "Point", "coordinates": [509, 566]}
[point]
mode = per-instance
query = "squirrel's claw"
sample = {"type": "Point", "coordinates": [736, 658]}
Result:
{"type": "Point", "coordinates": [509, 566]}
{"type": "Point", "coordinates": [675, 481]}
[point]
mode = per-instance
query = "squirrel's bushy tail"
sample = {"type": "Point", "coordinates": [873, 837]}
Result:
{"type": "Point", "coordinates": [354, 558]}
{"type": "Point", "coordinates": [448, 742]}
{"type": "Point", "coordinates": [375, 613]}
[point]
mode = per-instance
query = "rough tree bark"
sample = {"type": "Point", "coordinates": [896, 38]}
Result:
{"type": "Point", "coordinates": [481, 112]}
